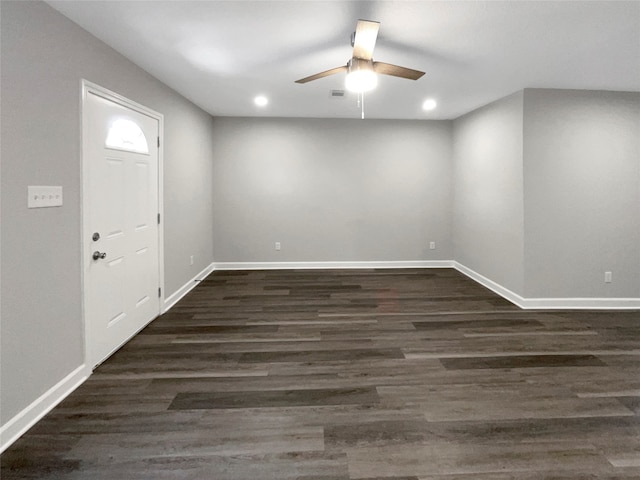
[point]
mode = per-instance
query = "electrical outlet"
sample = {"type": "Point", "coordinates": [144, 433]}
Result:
{"type": "Point", "coordinates": [277, 245]}
{"type": "Point", "coordinates": [191, 260]}
{"type": "Point", "coordinates": [607, 277]}
{"type": "Point", "coordinates": [432, 245]}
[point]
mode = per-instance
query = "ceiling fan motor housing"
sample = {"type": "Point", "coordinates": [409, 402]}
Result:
{"type": "Point", "coordinates": [356, 64]}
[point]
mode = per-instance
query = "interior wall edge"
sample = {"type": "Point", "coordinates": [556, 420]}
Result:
{"type": "Point", "coordinates": [490, 284]}
{"type": "Point", "coordinates": [29, 416]}
{"type": "Point", "coordinates": [175, 297]}
{"type": "Point", "coordinates": [584, 303]}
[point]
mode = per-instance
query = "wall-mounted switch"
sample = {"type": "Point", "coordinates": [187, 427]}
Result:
{"type": "Point", "coordinates": [191, 260]}
{"type": "Point", "coordinates": [432, 245]}
{"type": "Point", "coordinates": [607, 277]}
{"type": "Point", "coordinates": [277, 245]}
{"type": "Point", "coordinates": [43, 196]}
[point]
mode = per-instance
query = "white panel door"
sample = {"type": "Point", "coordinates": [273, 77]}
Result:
{"type": "Point", "coordinates": [122, 275]}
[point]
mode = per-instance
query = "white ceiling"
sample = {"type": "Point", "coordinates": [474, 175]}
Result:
{"type": "Point", "coordinates": [221, 54]}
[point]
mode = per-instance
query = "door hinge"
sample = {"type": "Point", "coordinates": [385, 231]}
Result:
{"type": "Point", "coordinates": [159, 292]}
{"type": "Point", "coordinates": [158, 219]}
{"type": "Point", "coordinates": [158, 142]}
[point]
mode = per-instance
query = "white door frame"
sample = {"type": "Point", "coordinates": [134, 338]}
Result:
{"type": "Point", "coordinates": [85, 244]}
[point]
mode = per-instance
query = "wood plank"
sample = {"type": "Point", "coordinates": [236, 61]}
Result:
{"type": "Point", "coordinates": [274, 398]}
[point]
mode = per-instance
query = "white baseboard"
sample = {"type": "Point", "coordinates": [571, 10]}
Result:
{"type": "Point", "coordinates": [330, 265]}
{"type": "Point", "coordinates": [186, 288]}
{"type": "Point", "coordinates": [551, 303]}
{"type": "Point", "coordinates": [491, 285]}
{"type": "Point", "coordinates": [23, 421]}
{"type": "Point", "coordinates": [582, 303]}
{"type": "Point", "coordinates": [28, 417]}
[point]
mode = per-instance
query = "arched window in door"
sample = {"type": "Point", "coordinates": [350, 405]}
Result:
{"type": "Point", "coordinates": [126, 135]}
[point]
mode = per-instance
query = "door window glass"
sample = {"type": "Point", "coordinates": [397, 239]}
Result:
{"type": "Point", "coordinates": [126, 135]}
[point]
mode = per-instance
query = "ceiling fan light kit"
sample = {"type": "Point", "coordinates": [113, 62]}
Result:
{"type": "Point", "coordinates": [360, 76]}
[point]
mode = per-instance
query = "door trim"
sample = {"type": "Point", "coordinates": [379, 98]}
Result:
{"type": "Point", "coordinates": [87, 88]}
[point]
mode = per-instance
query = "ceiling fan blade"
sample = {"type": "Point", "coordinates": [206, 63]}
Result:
{"type": "Point", "coordinates": [333, 71]}
{"type": "Point", "coordinates": [365, 39]}
{"type": "Point", "coordinates": [396, 71]}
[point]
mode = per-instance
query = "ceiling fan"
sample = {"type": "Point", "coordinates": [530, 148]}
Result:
{"type": "Point", "coordinates": [361, 69]}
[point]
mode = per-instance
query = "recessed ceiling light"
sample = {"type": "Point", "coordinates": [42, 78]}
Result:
{"type": "Point", "coordinates": [429, 104]}
{"type": "Point", "coordinates": [261, 100]}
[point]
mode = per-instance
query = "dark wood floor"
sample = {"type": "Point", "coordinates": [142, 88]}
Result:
{"type": "Point", "coordinates": [352, 374]}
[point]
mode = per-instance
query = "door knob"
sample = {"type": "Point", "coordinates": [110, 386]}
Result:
{"type": "Point", "coordinates": [97, 255]}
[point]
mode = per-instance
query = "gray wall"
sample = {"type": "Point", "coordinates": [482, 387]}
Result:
{"type": "Point", "coordinates": [44, 56]}
{"type": "Point", "coordinates": [582, 193]}
{"type": "Point", "coordinates": [331, 190]}
{"type": "Point", "coordinates": [488, 213]}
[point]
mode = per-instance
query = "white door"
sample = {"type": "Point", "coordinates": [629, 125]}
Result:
{"type": "Point", "coordinates": [121, 203]}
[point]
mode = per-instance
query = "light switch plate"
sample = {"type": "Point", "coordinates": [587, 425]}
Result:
{"type": "Point", "coordinates": [44, 196]}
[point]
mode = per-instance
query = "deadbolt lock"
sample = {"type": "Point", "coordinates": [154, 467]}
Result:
{"type": "Point", "coordinates": [96, 237]}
